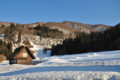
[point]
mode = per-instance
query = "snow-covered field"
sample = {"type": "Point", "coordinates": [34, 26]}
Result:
{"type": "Point", "coordinates": [87, 66]}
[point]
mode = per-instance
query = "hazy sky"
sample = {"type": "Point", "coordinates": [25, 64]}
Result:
{"type": "Point", "coordinates": [84, 11]}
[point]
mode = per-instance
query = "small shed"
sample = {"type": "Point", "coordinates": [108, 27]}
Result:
{"type": "Point", "coordinates": [21, 55]}
{"type": "Point", "coordinates": [2, 57]}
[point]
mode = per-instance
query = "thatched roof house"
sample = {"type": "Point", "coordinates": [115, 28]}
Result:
{"type": "Point", "coordinates": [2, 57]}
{"type": "Point", "coordinates": [21, 55]}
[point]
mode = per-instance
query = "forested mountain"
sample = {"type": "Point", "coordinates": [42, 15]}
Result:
{"type": "Point", "coordinates": [95, 41]}
{"type": "Point", "coordinates": [67, 27]}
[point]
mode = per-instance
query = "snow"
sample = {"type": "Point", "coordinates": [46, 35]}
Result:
{"type": "Point", "coordinates": [1, 36]}
{"type": "Point", "coordinates": [88, 66]}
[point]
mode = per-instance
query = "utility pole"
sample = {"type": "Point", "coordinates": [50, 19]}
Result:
{"type": "Point", "coordinates": [41, 52]}
{"type": "Point", "coordinates": [41, 56]}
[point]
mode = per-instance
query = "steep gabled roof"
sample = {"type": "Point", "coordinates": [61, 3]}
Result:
{"type": "Point", "coordinates": [18, 50]}
{"type": "Point", "coordinates": [30, 52]}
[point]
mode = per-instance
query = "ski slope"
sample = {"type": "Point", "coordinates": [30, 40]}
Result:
{"type": "Point", "coordinates": [88, 66]}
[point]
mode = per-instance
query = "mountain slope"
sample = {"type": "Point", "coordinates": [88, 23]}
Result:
{"type": "Point", "coordinates": [87, 27]}
{"type": "Point", "coordinates": [67, 26]}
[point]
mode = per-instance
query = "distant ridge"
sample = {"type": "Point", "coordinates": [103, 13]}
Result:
{"type": "Point", "coordinates": [67, 26]}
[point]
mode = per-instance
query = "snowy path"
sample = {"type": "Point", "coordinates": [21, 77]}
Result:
{"type": "Point", "coordinates": [87, 66]}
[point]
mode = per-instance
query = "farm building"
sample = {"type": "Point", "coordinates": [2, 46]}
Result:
{"type": "Point", "coordinates": [21, 55]}
{"type": "Point", "coordinates": [2, 57]}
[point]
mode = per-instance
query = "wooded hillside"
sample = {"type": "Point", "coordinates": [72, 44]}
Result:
{"type": "Point", "coordinates": [95, 41]}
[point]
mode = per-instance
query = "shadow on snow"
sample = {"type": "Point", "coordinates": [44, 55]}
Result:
{"type": "Point", "coordinates": [63, 68]}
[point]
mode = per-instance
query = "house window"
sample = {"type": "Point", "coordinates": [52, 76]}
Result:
{"type": "Point", "coordinates": [25, 55]}
{"type": "Point", "coordinates": [13, 61]}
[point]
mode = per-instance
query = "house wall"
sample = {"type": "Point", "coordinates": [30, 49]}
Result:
{"type": "Point", "coordinates": [28, 61]}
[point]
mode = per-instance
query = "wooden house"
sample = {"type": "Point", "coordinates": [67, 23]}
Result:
{"type": "Point", "coordinates": [21, 55]}
{"type": "Point", "coordinates": [2, 57]}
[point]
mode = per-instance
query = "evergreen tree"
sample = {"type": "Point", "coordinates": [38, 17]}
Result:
{"type": "Point", "coordinates": [19, 37]}
{"type": "Point", "coordinates": [9, 46]}
{"type": "Point", "coordinates": [5, 48]}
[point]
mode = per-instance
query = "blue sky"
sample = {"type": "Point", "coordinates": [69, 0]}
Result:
{"type": "Point", "coordinates": [84, 11]}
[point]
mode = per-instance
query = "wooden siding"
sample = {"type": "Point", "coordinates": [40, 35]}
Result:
{"type": "Point", "coordinates": [28, 61]}
{"type": "Point", "coordinates": [20, 55]}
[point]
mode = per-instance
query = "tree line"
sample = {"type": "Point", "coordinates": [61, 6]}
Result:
{"type": "Point", "coordinates": [95, 41]}
{"type": "Point", "coordinates": [5, 48]}
{"type": "Point", "coordinates": [45, 31]}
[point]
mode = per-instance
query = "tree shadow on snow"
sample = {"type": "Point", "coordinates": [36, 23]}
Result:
{"type": "Point", "coordinates": [63, 68]}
